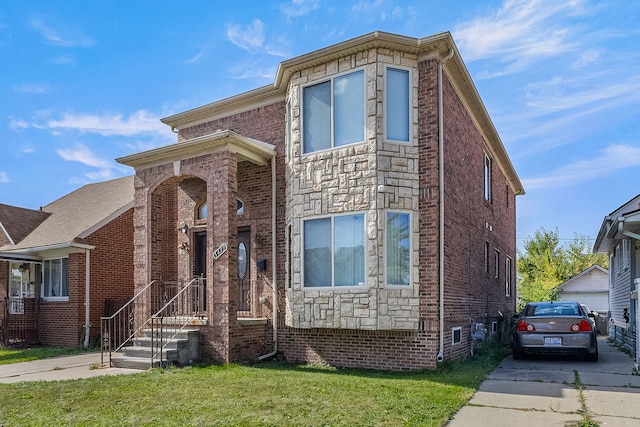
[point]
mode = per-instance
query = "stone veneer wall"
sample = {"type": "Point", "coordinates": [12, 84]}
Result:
{"type": "Point", "coordinates": [347, 179]}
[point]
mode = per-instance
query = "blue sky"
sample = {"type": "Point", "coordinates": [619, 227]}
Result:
{"type": "Point", "coordinates": [86, 82]}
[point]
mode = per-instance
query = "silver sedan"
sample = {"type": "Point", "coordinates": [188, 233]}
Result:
{"type": "Point", "coordinates": [559, 327]}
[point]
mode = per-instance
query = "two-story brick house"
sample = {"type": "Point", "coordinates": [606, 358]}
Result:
{"type": "Point", "coordinates": [359, 211]}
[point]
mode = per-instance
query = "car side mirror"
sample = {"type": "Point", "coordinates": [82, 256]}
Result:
{"type": "Point", "coordinates": [594, 314]}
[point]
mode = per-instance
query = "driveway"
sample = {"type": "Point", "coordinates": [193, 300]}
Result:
{"type": "Point", "coordinates": [557, 392]}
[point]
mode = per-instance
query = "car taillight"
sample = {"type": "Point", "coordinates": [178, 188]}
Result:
{"type": "Point", "coordinates": [523, 326]}
{"type": "Point", "coordinates": [583, 326]}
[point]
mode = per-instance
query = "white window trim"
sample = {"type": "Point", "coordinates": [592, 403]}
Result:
{"type": "Point", "coordinates": [302, 121]}
{"type": "Point", "coordinates": [453, 335]}
{"type": "Point", "coordinates": [411, 265]}
{"type": "Point", "coordinates": [507, 276]}
{"type": "Point", "coordinates": [49, 298]}
{"type": "Point", "coordinates": [302, 261]}
{"type": "Point", "coordinates": [626, 253]}
{"type": "Point", "coordinates": [487, 170]}
{"type": "Point", "coordinates": [410, 106]}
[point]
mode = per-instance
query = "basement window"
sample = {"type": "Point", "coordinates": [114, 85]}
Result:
{"type": "Point", "coordinates": [456, 335]}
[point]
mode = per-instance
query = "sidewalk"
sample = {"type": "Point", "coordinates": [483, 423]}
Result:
{"type": "Point", "coordinates": [59, 368]}
{"type": "Point", "coordinates": [546, 392]}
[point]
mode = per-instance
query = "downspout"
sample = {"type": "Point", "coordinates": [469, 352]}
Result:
{"type": "Point", "coordinates": [440, 356]}
{"type": "Point", "coordinates": [87, 287]}
{"type": "Point", "coordinates": [274, 303]}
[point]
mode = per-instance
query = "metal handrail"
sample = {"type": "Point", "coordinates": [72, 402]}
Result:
{"type": "Point", "coordinates": [117, 330]}
{"type": "Point", "coordinates": [109, 324]}
{"type": "Point", "coordinates": [179, 300]}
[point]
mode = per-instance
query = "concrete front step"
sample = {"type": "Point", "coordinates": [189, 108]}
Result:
{"type": "Point", "coordinates": [172, 333]}
{"type": "Point", "coordinates": [141, 363]}
{"type": "Point", "coordinates": [182, 349]}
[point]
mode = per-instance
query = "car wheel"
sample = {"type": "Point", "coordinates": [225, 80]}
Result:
{"type": "Point", "coordinates": [517, 355]}
{"type": "Point", "coordinates": [592, 357]}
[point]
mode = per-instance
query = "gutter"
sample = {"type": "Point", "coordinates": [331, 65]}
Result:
{"type": "Point", "coordinates": [440, 356]}
{"type": "Point", "coordinates": [274, 302]}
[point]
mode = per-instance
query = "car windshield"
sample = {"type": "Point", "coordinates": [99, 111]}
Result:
{"type": "Point", "coordinates": [552, 310]}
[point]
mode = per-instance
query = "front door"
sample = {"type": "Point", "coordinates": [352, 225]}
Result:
{"type": "Point", "coordinates": [244, 269]}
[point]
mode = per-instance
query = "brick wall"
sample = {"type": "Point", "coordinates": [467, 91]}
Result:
{"type": "Point", "coordinates": [62, 323]}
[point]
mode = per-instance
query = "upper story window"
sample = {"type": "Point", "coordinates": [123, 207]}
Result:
{"type": "Point", "coordinates": [334, 251]}
{"type": "Point", "coordinates": [55, 280]}
{"type": "Point", "coordinates": [487, 177]}
{"type": "Point", "coordinates": [397, 105]}
{"type": "Point", "coordinates": [333, 112]}
{"type": "Point", "coordinates": [398, 244]}
{"type": "Point", "coordinates": [202, 211]}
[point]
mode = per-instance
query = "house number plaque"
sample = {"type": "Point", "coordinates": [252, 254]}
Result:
{"type": "Point", "coordinates": [221, 249]}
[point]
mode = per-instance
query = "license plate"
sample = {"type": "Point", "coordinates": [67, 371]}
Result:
{"type": "Point", "coordinates": [552, 341]}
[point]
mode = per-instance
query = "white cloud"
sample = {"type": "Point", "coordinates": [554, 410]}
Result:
{"type": "Point", "coordinates": [520, 32]}
{"type": "Point", "coordinates": [609, 160]}
{"type": "Point", "coordinates": [251, 38]}
{"type": "Point", "coordinates": [65, 36]}
{"type": "Point", "coordinates": [33, 88]}
{"type": "Point", "coordinates": [140, 122]}
{"type": "Point", "coordinates": [586, 58]}
{"type": "Point", "coordinates": [64, 60]}
{"type": "Point", "coordinates": [82, 154]}
{"type": "Point", "coordinates": [297, 8]}
{"type": "Point", "coordinates": [4, 177]}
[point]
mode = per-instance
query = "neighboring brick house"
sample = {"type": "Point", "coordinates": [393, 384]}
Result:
{"type": "Point", "coordinates": [359, 212]}
{"type": "Point", "coordinates": [619, 236]}
{"type": "Point", "coordinates": [50, 259]}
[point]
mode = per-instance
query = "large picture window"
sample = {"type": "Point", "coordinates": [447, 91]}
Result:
{"type": "Point", "coordinates": [397, 105]}
{"type": "Point", "coordinates": [333, 112]}
{"type": "Point", "coordinates": [398, 244]}
{"type": "Point", "coordinates": [334, 251]}
{"type": "Point", "coordinates": [55, 283]}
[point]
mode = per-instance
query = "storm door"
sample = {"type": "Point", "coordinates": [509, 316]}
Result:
{"type": "Point", "coordinates": [244, 269]}
{"type": "Point", "coordinates": [200, 268]}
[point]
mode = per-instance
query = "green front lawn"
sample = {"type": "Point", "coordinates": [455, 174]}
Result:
{"type": "Point", "coordinates": [9, 355]}
{"type": "Point", "coordinates": [269, 394]}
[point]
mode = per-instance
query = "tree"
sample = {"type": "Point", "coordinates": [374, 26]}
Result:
{"type": "Point", "coordinates": [546, 263]}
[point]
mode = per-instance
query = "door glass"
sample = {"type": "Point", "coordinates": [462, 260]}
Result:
{"type": "Point", "coordinates": [242, 260]}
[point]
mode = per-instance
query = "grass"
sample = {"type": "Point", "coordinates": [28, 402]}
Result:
{"type": "Point", "coordinates": [9, 355]}
{"type": "Point", "coordinates": [269, 394]}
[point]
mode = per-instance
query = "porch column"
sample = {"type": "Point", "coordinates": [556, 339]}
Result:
{"type": "Point", "coordinates": [221, 272]}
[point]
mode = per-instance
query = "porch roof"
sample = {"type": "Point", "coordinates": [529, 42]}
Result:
{"type": "Point", "coordinates": [246, 148]}
{"type": "Point", "coordinates": [616, 228]}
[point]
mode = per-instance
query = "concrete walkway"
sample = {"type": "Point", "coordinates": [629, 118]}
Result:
{"type": "Point", "coordinates": [59, 368]}
{"type": "Point", "coordinates": [557, 392]}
